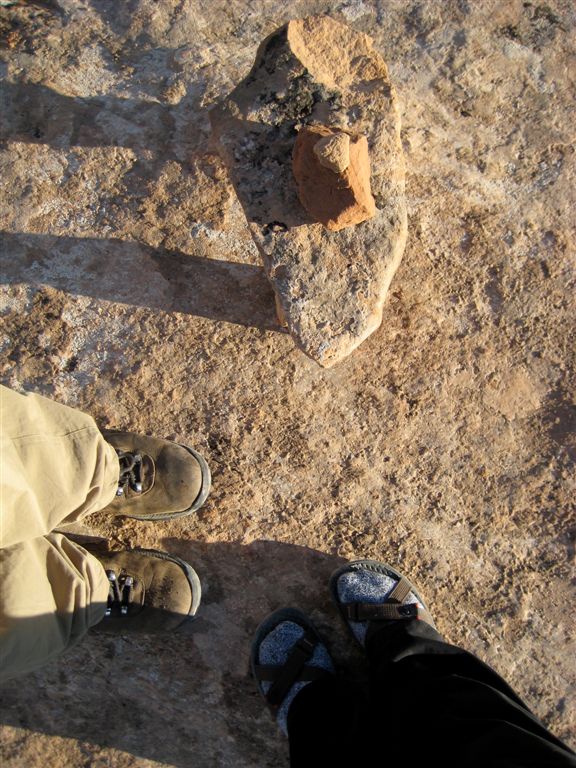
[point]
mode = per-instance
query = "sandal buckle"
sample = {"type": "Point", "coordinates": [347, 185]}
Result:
{"type": "Point", "coordinates": [408, 611]}
{"type": "Point", "coordinates": [381, 611]}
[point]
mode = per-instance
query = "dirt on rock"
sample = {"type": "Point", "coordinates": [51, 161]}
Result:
{"type": "Point", "coordinates": [131, 288]}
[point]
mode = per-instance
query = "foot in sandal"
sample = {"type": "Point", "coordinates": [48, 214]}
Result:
{"type": "Point", "coordinates": [367, 591]}
{"type": "Point", "coordinates": [287, 654]}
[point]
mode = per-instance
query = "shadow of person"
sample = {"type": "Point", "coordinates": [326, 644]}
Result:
{"type": "Point", "coordinates": [159, 279]}
{"type": "Point", "coordinates": [186, 698]}
{"type": "Point", "coordinates": [136, 274]}
{"type": "Point", "coordinates": [37, 114]}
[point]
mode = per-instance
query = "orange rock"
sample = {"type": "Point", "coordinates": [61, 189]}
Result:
{"type": "Point", "coordinates": [332, 171]}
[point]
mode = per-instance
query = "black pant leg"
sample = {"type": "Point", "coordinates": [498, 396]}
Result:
{"type": "Point", "coordinates": [325, 721]}
{"type": "Point", "coordinates": [440, 704]}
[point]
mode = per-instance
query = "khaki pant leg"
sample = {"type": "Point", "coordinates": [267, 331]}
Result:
{"type": "Point", "coordinates": [55, 466]}
{"type": "Point", "coordinates": [52, 592]}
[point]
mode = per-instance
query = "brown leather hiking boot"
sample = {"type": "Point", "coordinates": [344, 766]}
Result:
{"type": "Point", "coordinates": [150, 591]}
{"type": "Point", "coordinates": [159, 479]}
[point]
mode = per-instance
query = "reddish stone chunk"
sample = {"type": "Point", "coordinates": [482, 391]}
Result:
{"type": "Point", "coordinates": [335, 198]}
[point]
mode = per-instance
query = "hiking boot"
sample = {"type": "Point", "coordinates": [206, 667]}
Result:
{"type": "Point", "coordinates": [159, 479]}
{"type": "Point", "coordinates": [150, 591]}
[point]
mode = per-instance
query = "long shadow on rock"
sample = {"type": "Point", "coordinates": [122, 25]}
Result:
{"type": "Point", "coordinates": [136, 274]}
{"type": "Point", "coordinates": [186, 698]}
{"type": "Point", "coordinates": [36, 114]}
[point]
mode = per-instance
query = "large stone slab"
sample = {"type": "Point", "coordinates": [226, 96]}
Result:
{"type": "Point", "coordinates": [330, 285]}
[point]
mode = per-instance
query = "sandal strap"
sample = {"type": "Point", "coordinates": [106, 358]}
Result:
{"type": "Point", "coordinates": [289, 673]}
{"type": "Point", "coordinates": [400, 591]}
{"type": "Point", "coordinates": [267, 673]}
{"type": "Point", "coordinates": [385, 612]}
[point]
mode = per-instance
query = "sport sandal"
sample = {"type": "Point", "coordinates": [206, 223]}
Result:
{"type": "Point", "coordinates": [367, 590]}
{"type": "Point", "coordinates": [287, 654]}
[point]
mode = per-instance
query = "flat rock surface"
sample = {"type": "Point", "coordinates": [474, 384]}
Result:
{"type": "Point", "coordinates": [330, 285]}
{"type": "Point", "coordinates": [132, 288]}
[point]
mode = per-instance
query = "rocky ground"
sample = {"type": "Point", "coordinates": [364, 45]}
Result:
{"type": "Point", "coordinates": [444, 444]}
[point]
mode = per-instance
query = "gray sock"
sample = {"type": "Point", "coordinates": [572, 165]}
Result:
{"type": "Point", "coordinates": [364, 586]}
{"type": "Point", "coordinates": [275, 649]}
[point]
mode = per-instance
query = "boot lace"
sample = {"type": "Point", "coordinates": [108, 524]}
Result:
{"type": "Point", "coordinates": [130, 472]}
{"type": "Point", "coordinates": [119, 593]}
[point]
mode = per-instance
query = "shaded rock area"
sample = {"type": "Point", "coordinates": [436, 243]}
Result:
{"type": "Point", "coordinates": [332, 171]}
{"type": "Point", "coordinates": [131, 287]}
{"type": "Point", "coordinates": [330, 285]}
